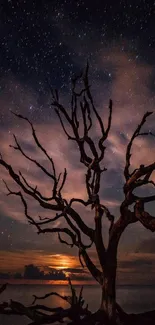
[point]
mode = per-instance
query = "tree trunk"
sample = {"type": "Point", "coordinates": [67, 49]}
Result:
{"type": "Point", "coordinates": [108, 300]}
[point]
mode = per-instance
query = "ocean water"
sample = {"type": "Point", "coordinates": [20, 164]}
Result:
{"type": "Point", "coordinates": [131, 298]}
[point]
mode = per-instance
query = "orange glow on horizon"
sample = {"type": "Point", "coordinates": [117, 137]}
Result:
{"type": "Point", "coordinates": [17, 260]}
{"type": "Point", "coordinates": [63, 262]}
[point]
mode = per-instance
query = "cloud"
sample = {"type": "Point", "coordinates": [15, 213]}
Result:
{"type": "Point", "coordinates": [76, 270]}
{"type": "Point", "coordinates": [147, 246]}
{"type": "Point", "coordinates": [17, 259]}
{"type": "Point", "coordinates": [129, 87]}
{"type": "Point", "coordinates": [58, 149]}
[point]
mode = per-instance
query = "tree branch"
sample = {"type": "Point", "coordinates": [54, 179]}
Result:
{"type": "Point", "coordinates": [18, 147]}
{"type": "Point", "coordinates": [127, 217]}
{"type": "Point", "coordinates": [37, 141]}
{"type": "Point", "coordinates": [144, 217]}
{"type": "Point", "coordinates": [57, 207]}
{"type": "Point", "coordinates": [128, 151]}
{"type": "Point", "coordinates": [100, 248]}
{"type": "Point", "coordinates": [96, 273]}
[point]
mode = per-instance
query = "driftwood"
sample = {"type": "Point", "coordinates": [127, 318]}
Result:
{"type": "Point", "coordinates": [76, 314]}
{"type": "Point", "coordinates": [41, 314]}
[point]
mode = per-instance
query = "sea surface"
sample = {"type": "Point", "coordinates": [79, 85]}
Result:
{"type": "Point", "coordinates": [131, 298]}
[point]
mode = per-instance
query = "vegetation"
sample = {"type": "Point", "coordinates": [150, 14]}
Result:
{"type": "Point", "coordinates": [91, 156]}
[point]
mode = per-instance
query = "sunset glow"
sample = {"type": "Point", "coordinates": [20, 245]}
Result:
{"type": "Point", "coordinates": [64, 262]}
{"type": "Point", "coordinates": [52, 41]}
{"type": "Point", "coordinates": [61, 262]}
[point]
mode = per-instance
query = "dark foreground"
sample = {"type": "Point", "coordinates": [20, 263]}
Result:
{"type": "Point", "coordinates": [38, 313]}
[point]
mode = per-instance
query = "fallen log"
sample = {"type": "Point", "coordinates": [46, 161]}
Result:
{"type": "Point", "coordinates": [76, 314]}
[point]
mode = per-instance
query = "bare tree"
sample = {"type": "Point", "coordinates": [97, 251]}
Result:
{"type": "Point", "coordinates": [92, 159]}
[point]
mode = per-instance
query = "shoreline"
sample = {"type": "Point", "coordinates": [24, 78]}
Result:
{"type": "Point", "coordinates": [65, 283]}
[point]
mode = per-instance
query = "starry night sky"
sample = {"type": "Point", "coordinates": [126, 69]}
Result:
{"type": "Point", "coordinates": [52, 40]}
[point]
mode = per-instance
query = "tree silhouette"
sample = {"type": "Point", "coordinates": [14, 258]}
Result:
{"type": "Point", "coordinates": [92, 157]}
